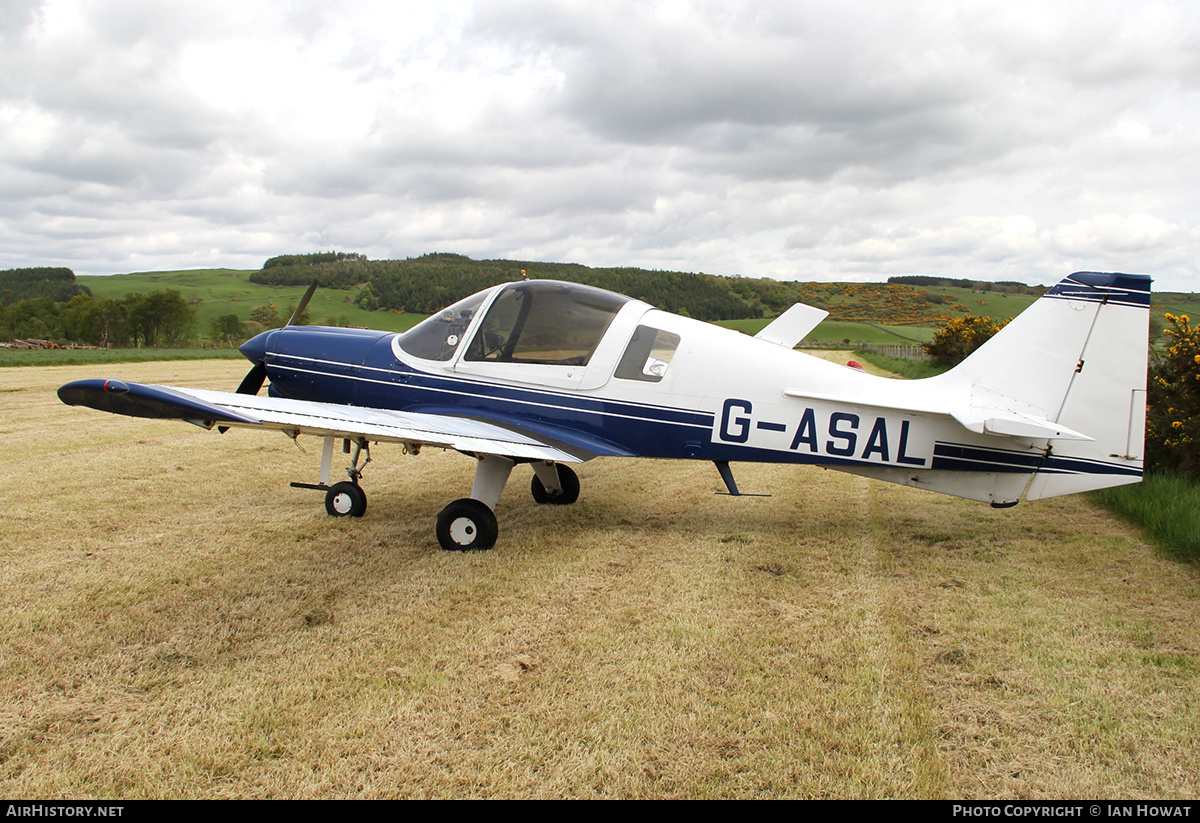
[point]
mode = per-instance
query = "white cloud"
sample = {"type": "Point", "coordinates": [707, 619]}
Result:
{"type": "Point", "coordinates": [826, 139]}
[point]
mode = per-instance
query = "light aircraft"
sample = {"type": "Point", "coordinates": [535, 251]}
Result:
{"type": "Point", "coordinates": [553, 374]}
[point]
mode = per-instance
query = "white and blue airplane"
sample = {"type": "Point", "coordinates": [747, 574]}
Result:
{"type": "Point", "coordinates": [552, 374]}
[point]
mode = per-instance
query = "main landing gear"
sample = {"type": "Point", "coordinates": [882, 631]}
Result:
{"type": "Point", "coordinates": [467, 524]}
{"type": "Point", "coordinates": [470, 524]}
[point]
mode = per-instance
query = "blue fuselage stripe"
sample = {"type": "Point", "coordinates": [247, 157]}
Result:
{"type": "Point", "coordinates": [596, 424]}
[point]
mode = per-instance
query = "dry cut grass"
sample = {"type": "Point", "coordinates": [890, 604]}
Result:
{"type": "Point", "coordinates": [177, 622]}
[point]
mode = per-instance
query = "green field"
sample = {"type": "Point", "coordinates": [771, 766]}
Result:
{"type": "Point", "coordinates": [214, 292]}
{"type": "Point", "coordinates": [80, 357]}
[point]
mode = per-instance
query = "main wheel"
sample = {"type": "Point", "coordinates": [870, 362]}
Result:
{"type": "Point", "coordinates": [345, 499]}
{"type": "Point", "coordinates": [570, 488]}
{"type": "Point", "coordinates": [467, 525]}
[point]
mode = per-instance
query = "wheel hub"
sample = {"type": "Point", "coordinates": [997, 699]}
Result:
{"type": "Point", "coordinates": [462, 531]}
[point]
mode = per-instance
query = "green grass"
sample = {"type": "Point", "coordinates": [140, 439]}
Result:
{"type": "Point", "coordinates": [1177, 303]}
{"type": "Point", "coordinates": [214, 292]}
{"type": "Point", "coordinates": [996, 305]}
{"type": "Point", "coordinates": [81, 357]}
{"type": "Point", "coordinates": [1166, 506]}
{"type": "Point", "coordinates": [910, 369]}
{"type": "Point", "coordinates": [180, 622]}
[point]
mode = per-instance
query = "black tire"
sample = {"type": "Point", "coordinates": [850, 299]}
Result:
{"type": "Point", "coordinates": [467, 525]}
{"type": "Point", "coordinates": [570, 488]}
{"type": "Point", "coordinates": [345, 499]}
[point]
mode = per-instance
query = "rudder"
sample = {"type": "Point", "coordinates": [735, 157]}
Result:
{"type": "Point", "coordinates": [1076, 357]}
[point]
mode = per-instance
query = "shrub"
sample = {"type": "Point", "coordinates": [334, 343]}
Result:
{"type": "Point", "coordinates": [959, 337]}
{"type": "Point", "coordinates": [1173, 401]}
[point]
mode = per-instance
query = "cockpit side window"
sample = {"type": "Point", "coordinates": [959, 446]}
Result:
{"type": "Point", "coordinates": [648, 355]}
{"type": "Point", "coordinates": [556, 324]}
{"type": "Point", "coordinates": [437, 337]}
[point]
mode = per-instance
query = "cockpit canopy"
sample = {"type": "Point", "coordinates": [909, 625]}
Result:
{"type": "Point", "coordinates": [538, 321]}
{"type": "Point", "coordinates": [438, 335]}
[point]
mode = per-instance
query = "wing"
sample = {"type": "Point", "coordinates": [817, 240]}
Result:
{"type": "Point", "coordinates": [295, 417]}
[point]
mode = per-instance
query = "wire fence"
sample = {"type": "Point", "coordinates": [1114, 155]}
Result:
{"type": "Point", "coordinates": [907, 351]}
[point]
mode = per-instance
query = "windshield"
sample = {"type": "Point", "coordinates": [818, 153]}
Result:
{"type": "Point", "coordinates": [437, 336]}
{"type": "Point", "coordinates": [545, 322]}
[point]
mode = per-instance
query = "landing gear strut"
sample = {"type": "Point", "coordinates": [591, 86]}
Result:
{"type": "Point", "coordinates": [344, 499]}
{"type": "Point", "coordinates": [468, 524]}
{"type": "Point", "coordinates": [559, 488]}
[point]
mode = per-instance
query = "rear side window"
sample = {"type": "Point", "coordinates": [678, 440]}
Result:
{"type": "Point", "coordinates": [648, 355]}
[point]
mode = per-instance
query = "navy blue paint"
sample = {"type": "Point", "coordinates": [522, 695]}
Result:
{"type": "Point", "coordinates": [358, 367]}
{"type": "Point", "coordinates": [806, 432]}
{"type": "Point", "coordinates": [139, 400]}
{"type": "Point", "coordinates": [848, 434]}
{"type": "Point", "coordinates": [901, 454]}
{"type": "Point", "coordinates": [735, 429]}
{"type": "Point", "coordinates": [959, 457]}
{"type": "Point", "coordinates": [877, 443]}
{"type": "Point", "coordinates": [1101, 287]}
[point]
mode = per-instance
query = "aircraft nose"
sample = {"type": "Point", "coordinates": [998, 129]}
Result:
{"type": "Point", "coordinates": [255, 349]}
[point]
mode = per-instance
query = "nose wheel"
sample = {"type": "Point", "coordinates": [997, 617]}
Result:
{"type": "Point", "coordinates": [345, 499]}
{"type": "Point", "coordinates": [468, 524]}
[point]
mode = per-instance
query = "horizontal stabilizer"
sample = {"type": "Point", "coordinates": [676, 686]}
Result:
{"type": "Point", "coordinates": [793, 325]}
{"type": "Point", "coordinates": [910, 403]}
{"type": "Point", "coordinates": [1011, 424]}
{"type": "Point", "coordinates": [978, 419]}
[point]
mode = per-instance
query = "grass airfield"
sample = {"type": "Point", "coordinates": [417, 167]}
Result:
{"type": "Point", "coordinates": [178, 622]}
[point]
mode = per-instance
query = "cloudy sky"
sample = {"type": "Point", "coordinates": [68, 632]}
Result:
{"type": "Point", "coordinates": [801, 140]}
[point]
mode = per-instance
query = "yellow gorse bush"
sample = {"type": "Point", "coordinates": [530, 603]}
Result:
{"type": "Point", "coordinates": [1173, 401]}
{"type": "Point", "coordinates": [961, 336]}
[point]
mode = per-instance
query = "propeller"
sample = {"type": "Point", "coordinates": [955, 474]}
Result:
{"type": "Point", "coordinates": [254, 379]}
{"type": "Point", "coordinates": [252, 383]}
{"type": "Point", "coordinates": [303, 304]}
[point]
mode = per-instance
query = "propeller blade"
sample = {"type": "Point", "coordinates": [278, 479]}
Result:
{"type": "Point", "coordinates": [303, 304]}
{"type": "Point", "coordinates": [254, 379]}
{"type": "Point", "coordinates": [252, 383]}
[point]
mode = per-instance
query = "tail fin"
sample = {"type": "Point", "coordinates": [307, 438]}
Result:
{"type": "Point", "coordinates": [1076, 358]}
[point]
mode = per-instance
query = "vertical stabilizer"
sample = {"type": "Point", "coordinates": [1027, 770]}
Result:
{"type": "Point", "coordinates": [1076, 357]}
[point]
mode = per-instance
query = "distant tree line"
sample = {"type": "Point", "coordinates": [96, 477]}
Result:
{"type": "Point", "coordinates": [160, 318]}
{"type": "Point", "coordinates": [48, 303]}
{"type": "Point", "coordinates": [311, 259]}
{"type": "Point", "coordinates": [57, 284]}
{"type": "Point", "coordinates": [431, 282]}
{"type": "Point", "coordinates": [1007, 286]}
